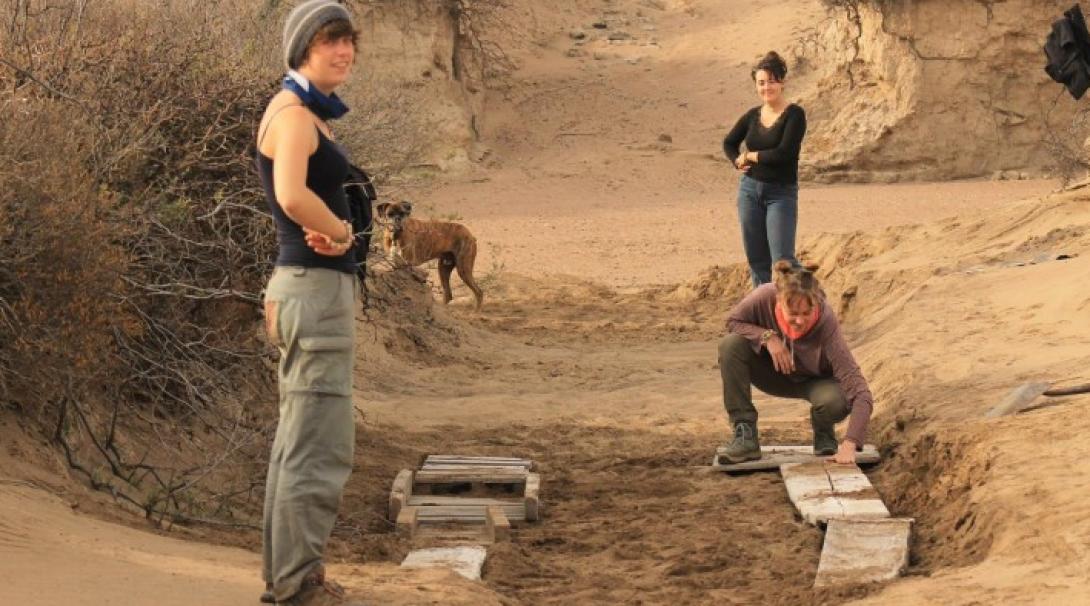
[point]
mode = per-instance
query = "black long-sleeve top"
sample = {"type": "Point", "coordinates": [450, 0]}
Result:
{"type": "Point", "coordinates": [777, 147]}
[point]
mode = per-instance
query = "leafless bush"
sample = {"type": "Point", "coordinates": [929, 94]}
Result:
{"type": "Point", "coordinates": [386, 130]}
{"type": "Point", "coordinates": [135, 246]}
{"type": "Point", "coordinates": [1066, 143]}
{"type": "Point", "coordinates": [478, 21]}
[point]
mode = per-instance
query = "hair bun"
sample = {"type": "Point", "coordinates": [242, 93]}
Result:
{"type": "Point", "coordinates": [772, 63]}
{"type": "Point", "coordinates": [783, 266]}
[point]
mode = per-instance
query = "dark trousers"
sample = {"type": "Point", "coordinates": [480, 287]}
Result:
{"type": "Point", "coordinates": [742, 368]}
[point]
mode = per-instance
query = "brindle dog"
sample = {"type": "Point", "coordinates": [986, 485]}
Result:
{"type": "Point", "coordinates": [418, 241]}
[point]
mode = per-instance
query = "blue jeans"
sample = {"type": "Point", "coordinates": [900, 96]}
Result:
{"type": "Point", "coordinates": [769, 214]}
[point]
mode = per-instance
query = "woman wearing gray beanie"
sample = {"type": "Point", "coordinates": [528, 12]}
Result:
{"type": "Point", "coordinates": [309, 304]}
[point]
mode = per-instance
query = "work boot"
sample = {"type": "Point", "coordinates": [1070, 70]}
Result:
{"type": "Point", "coordinates": [316, 590]}
{"type": "Point", "coordinates": [744, 446]}
{"type": "Point", "coordinates": [825, 443]}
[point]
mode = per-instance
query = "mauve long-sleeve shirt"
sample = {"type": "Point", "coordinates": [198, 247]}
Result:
{"type": "Point", "coordinates": [822, 352]}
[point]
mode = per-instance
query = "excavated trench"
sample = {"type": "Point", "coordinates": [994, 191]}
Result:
{"type": "Point", "coordinates": [632, 513]}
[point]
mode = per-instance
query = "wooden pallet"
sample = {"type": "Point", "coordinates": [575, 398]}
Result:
{"type": "Point", "coordinates": [772, 457]}
{"type": "Point", "coordinates": [420, 523]}
{"type": "Point", "coordinates": [444, 497]}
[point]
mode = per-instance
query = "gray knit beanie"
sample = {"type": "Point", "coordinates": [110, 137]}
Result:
{"type": "Point", "coordinates": [303, 22]}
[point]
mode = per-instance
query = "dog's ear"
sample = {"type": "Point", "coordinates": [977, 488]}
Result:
{"type": "Point", "coordinates": [408, 206]}
{"type": "Point", "coordinates": [382, 208]}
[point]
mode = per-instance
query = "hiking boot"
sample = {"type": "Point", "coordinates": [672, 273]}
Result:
{"type": "Point", "coordinates": [316, 590]}
{"type": "Point", "coordinates": [268, 597]}
{"type": "Point", "coordinates": [744, 446]}
{"type": "Point", "coordinates": [825, 443]}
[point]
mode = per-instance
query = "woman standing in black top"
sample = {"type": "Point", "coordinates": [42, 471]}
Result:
{"type": "Point", "coordinates": [309, 304]}
{"type": "Point", "coordinates": [768, 193]}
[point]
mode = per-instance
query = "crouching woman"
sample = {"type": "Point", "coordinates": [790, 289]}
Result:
{"type": "Point", "coordinates": [785, 340]}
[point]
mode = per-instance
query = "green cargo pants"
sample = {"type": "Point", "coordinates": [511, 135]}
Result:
{"type": "Point", "coordinates": [741, 368]}
{"type": "Point", "coordinates": [309, 316]}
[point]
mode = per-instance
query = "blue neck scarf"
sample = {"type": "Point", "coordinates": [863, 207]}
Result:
{"type": "Point", "coordinates": [326, 108]}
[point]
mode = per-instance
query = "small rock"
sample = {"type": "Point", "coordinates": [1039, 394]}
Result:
{"type": "Point", "coordinates": [576, 52]}
{"type": "Point", "coordinates": [599, 25]}
{"type": "Point", "coordinates": [577, 34]}
{"type": "Point", "coordinates": [666, 138]}
{"type": "Point", "coordinates": [633, 60]}
{"type": "Point", "coordinates": [600, 56]}
{"type": "Point", "coordinates": [620, 36]}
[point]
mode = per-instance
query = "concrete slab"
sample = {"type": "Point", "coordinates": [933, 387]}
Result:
{"type": "Point", "coordinates": [823, 491]}
{"type": "Point", "coordinates": [466, 561]}
{"type": "Point", "coordinates": [863, 551]}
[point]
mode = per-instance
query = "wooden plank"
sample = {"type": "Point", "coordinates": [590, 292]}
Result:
{"type": "Point", "coordinates": [443, 467]}
{"type": "Point", "coordinates": [453, 513]}
{"type": "Point", "coordinates": [509, 469]}
{"type": "Point", "coordinates": [823, 491]}
{"type": "Point", "coordinates": [477, 461]}
{"type": "Point", "coordinates": [424, 499]}
{"type": "Point", "coordinates": [772, 457]}
{"type": "Point", "coordinates": [400, 493]}
{"type": "Point", "coordinates": [478, 475]}
{"type": "Point", "coordinates": [433, 462]}
{"type": "Point", "coordinates": [472, 457]}
{"type": "Point", "coordinates": [451, 534]}
{"type": "Point", "coordinates": [863, 551]}
{"type": "Point", "coordinates": [499, 527]}
{"type": "Point", "coordinates": [467, 561]}
{"type": "Point", "coordinates": [408, 520]}
{"type": "Point", "coordinates": [530, 497]}
{"type": "Point", "coordinates": [472, 468]}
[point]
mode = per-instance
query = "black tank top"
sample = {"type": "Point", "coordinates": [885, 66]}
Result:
{"type": "Point", "coordinates": [326, 171]}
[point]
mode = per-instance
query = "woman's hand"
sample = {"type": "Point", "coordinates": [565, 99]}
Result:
{"type": "Point", "coordinates": [741, 163]}
{"type": "Point", "coordinates": [781, 357]}
{"type": "Point", "coordinates": [324, 245]}
{"type": "Point", "coordinates": [845, 454]}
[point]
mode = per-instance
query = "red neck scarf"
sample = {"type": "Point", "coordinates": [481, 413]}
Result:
{"type": "Point", "coordinates": [794, 335]}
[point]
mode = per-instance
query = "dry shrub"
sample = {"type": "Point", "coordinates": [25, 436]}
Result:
{"type": "Point", "coordinates": [135, 245]}
{"type": "Point", "coordinates": [1067, 144]}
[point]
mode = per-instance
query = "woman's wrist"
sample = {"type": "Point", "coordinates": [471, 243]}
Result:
{"type": "Point", "coordinates": [347, 239]}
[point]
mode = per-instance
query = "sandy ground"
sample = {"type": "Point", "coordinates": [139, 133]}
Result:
{"type": "Point", "coordinates": [595, 356]}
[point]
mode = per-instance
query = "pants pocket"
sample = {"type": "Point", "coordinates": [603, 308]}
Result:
{"type": "Point", "coordinates": [272, 323]}
{"type": "Point", "coordinates": [323, 365]}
